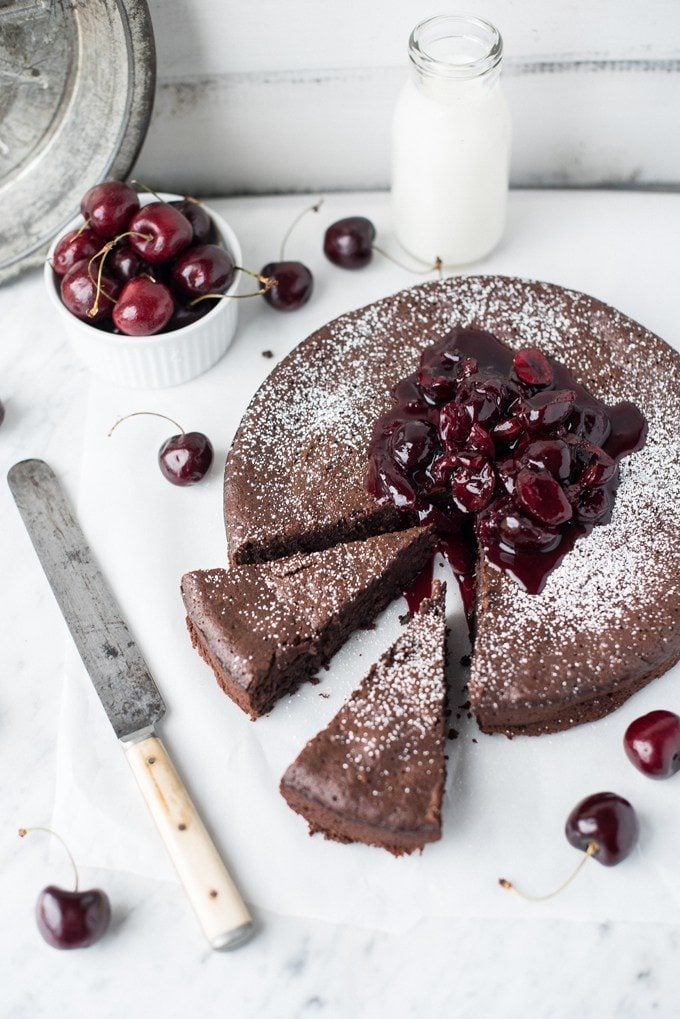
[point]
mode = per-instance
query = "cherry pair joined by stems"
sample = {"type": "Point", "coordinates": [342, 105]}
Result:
{"type": "Point", "coordinates": [348, 243]}
{"type": "Point", "coordinates": [70, 919]}
{"type": "Point", "coordinates": [184, 459]}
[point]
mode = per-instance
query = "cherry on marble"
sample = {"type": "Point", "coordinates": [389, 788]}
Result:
{"type": "Point", "coordinates": [184, 459]}
{"type": "Point", "coordinates": [652, 744]}
{"type": "Point", "coordinates": [70, 919]}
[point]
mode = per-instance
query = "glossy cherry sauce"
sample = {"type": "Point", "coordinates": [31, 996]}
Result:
{"type": "Point", "coordinates": [501, 448]}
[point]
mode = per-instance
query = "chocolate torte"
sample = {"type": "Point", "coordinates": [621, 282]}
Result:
{"type": "Point", "coordinates": [376, 773]}
{"type": "Point", "coordinates": [606, 621]}
{"type": "Point", "coordinates": [266, 629]}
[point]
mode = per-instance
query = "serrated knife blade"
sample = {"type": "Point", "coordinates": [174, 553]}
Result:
{"type": "Point", "coordinates": [109, 652]}
{"type": "Point", "coordinates": [130, 697]}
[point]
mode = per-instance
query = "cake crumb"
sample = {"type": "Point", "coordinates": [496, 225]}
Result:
{"type": "Point", "coordinates": [267, 353]}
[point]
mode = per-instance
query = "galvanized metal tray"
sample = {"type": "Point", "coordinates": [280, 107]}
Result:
{"type": "Point", "coordinates": [77, 82]}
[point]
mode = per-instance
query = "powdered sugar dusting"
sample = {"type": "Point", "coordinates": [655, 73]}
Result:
{"type": "Point", "coordinates": [611, 607]}
{"type": "Point", "coordinates": [398, 708]}
{"type": "Point", "coordinates": [254, 613]}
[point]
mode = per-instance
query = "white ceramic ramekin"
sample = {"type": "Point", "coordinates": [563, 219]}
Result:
{"type": "Point", "coordinates": [166, 359]}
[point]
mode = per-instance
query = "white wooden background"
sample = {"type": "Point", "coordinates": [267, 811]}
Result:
{"type": "Point", "coordinates": [286, 95]}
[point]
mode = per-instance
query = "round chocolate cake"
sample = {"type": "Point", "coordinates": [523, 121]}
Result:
{"type": "Point", "coordinates": [606, 621]}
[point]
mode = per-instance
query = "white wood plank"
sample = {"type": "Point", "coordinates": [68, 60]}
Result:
{"type": "Point", "coordinates": [579, 123]}
{"type": "Point", "coordinates": [214, 37]}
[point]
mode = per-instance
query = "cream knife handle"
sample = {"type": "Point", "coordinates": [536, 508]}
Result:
{"type": "Point", "coordinates": [216, 901]}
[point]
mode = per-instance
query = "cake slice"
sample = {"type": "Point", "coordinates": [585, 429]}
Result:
{"type": "Point", "coordinates": [265, 629]}
{"type": "Point", "coordinates": [376, 773]}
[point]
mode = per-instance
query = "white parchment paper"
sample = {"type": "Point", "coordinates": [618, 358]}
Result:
{"type": "Point", "coordinates": [506, 801]}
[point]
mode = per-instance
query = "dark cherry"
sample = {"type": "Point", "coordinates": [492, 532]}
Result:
{"type": "Point", "coordinates": [473, 482]}
{"type": "Point", "coordinates": [201, 222]}
{"type": "Point", "coordinates": [293, 287]}
{"type": "Point", "coordinates": [109, 207]}
{"type": "Point", "coordinates": [484, 399]}
{"type": "Point", "coordinates": [143, 308]}
{"type": "Point", "coordinates": [185, 459]}
{"type": "Point", "coordinates": [592, 505]}
{"type": "Point", "coordinates": [441, 468]}
{"type": "Point", "coordinates": [438, 382]}
{"type": "Point", "coordinates": [480, 441]}
{"type": "Point", "coordinates": [547, 410]}
{"type": "Point", "coordinates": [542, 497]}
{"type": "Point", "coordinates": [187, 314]}
{"type": "Point", "coordinates": [413, 444]}
{"type": "Point", "coordinates": [532, 367]}
{"type": "Point", "coordinates": [124, 263]}
{"type": "Point", "coordinates": [550, 455]}
{"type": "Point", "coordinates": [519, 533]}
{"type": "Point", "coordinates": [349, 242]}
{"type": "Point", "coordinates": [75, 246]}
{"type": "Point", "coordinates": [606, 822]}
{"type": "Point", "coordinates": [387, 478]}
{"type": "Point", "coordinates": [159, 232]}
{"type": "Point", "coordinates": [454, 425]}
{"type": "Point", "coordinates": [72, 919]}
{"type": "Point", "coordinates": [652, 744]}
{"type": "Point", "coordinates": [469, 366]}
{"type": "Point", "coordinates": [507, 470]}
{"type": "Point", "coordinates": [505, 432]}
{"type": "Point", "coordinates": [407, 393]}
{"type": "Point", "coordinates": [79, 293]}
{"type": "Point", "coordinates": [203, 269]}
{"type": "Point", "coordinates": [600, 468]}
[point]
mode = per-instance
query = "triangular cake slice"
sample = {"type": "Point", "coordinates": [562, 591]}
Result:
{"type": "Point", "coordinates": [265, 629]}
{"type": "Point", "coordinates": [376, 773]}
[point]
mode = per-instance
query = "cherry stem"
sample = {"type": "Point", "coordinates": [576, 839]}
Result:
{"type": "Point", "coordinates": [150, 191]}
{"type": "Point", "coordinates": [85, 225]}
{"type": "Point", "coordinates": [26, 831]}
{"type": "Point", "coordinates": [437, 267]}
{"type": "Point", "coordinates": [312, 208]}
{"type": "Point", "coordinates": [267, 283]}
{"type": "Point", "coordinates": [508, 885]}
{"type": "Point", "coordinates": [102, 254]}
{"type": "Point", "coordinates": [144, 413]}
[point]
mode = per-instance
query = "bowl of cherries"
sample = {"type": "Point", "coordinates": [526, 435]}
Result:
{"type": "Point", "coordinates": [144, 284]}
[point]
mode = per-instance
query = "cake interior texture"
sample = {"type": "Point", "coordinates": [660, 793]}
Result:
{"type": "Point", "coordinates": [265, 629]}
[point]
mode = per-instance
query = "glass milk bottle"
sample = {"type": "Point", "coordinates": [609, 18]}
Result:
{"type": "Point", "coordinates": [451, 142]}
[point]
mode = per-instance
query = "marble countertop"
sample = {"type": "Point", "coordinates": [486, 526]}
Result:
{"type": "Point", "coordinates": [154, 959]}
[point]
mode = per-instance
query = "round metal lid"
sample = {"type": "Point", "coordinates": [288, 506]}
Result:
{"type": "Point", "coordinates": [76, 90]}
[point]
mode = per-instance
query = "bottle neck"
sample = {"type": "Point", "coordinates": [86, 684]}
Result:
{"type": "Point", "coordinates": [455, 56]}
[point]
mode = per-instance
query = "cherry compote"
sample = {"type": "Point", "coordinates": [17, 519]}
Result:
{"type": "Point", "coordinates": [507, 443]}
